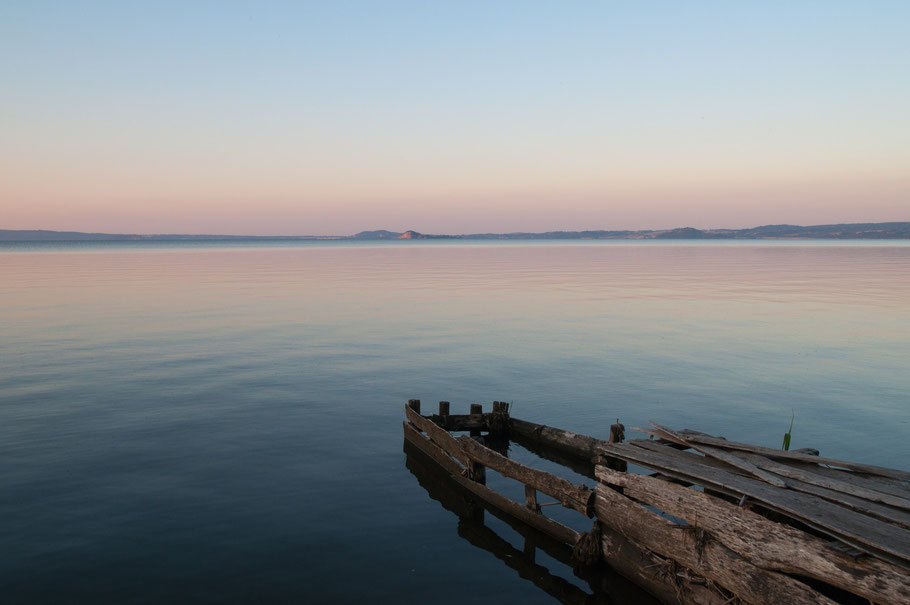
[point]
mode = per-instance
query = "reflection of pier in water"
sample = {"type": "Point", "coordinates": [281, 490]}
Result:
{"type": "Point", "coordinates": [605, 585]}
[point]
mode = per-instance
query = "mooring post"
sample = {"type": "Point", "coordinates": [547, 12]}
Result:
{"type": "Point", "coordinates": [499, 419]}
{"type": "Point", "coordinates": [414, 404]}
{"type": "Point", "coordinates": [617, 432]}
{"type": "Point", "coordinates": [443, 408]}
{"type": "Point", "coordinates": [477, 414]}
{"type": "Point", "coordinates": [531, 499]}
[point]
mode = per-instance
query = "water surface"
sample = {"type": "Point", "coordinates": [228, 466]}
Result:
{"type": "Point", "coordinates": [222, 422]}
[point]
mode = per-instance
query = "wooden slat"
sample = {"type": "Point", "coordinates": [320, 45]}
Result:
{"type": "Point", "coordinates": [822, 481]}
{"type": "Point", "coordinates": [709, 558]}
{"type": "Point", "coordinates": [767, 544]}
{"type": "Point", "coordinates": [548, 526]}
{"type": "Point", "coordinates": [720, 454]}
{"type": "Point", "coordinates": [694, 436]}
{"type": "Point", "coordinates": [867, 507]}
{"type": "Point", "coordinates": [895, 487]}
{"type": "Point", "coordinates": [439, 435]}
{"type": "Point", "coordinates": [861, 531]}
{"type": "Point", "coordinates": [578, 497]}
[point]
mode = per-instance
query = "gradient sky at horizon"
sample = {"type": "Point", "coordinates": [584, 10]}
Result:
{"type": "Point", "coordinates": [330, 118]}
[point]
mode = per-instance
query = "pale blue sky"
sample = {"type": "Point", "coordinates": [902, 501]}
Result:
{"type": "Point", "coordinates": [468, 116]}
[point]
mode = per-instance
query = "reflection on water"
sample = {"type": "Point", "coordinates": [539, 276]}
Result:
{"type": "Point", "coordinates": [211, 420]}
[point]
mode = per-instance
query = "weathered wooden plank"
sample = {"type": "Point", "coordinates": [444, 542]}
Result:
{"type": "Point", "coordinates": [765, 543]}
{"type": "Point", "coordinates": [444, 460]}
{"type": "Point", "coordinates": [439, 435]}
{"type": "Point", "coordinates": [649, 571]}
{"type": "Point", "coordinates": [895, 487]}
{"type": "Point", "coordinates": [548, 526]}
{"type": "Point", "coordinates": [578, 497]}
{"type": "Point", "coordinates": [697, 437]}
{"type": "Point", "coordinates": [720, 454]}
{"type": "Point", "coordinates": [867, 507]}
{"type": "Point", "coordinates": [573, 443]}
{"type": "Point", "coordinates": [837, 485]}
{"type": "Point", "coordinates": [700, 553]}
{"type": "Point", "coordinates": [861, 531]}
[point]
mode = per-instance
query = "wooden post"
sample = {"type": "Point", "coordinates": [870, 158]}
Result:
{"type": "Point", "coordinates": [414, 404]}
{"type": "Point", "coordinates": [476, 410]}
{"type": "Point", "coordinates": [478, 472]}
{"type": "Point", "coordinates": [531, 499]}
{"type": "Point", "coordinates": [443, 408]}
{"type": "Point", "coordinates": [617, 432]}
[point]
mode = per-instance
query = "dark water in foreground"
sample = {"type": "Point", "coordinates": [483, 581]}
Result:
{"type": "Point", "coordinates": [210, 423]}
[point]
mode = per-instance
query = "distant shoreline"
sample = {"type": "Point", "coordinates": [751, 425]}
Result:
{"type": "Point", "coordinates": [893, 230]}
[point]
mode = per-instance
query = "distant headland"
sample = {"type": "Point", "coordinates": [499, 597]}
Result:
{"type": "Point", "coordinates": [899, 230]}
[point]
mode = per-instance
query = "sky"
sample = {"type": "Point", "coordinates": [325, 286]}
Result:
{"type": "Point", "coordinates": [284, 118]}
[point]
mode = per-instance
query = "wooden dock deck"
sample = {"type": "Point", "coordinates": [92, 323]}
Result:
{"type": "Point", "coordinates": [708, 521]}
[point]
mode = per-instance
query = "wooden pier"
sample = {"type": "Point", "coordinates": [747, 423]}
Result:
{"type": "Point", "coordinates": [708, 521]}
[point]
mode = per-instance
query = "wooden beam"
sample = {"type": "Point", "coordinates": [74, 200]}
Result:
{"type": "Point", "coordinates": [573, 443]}
{"type": "Point", "coordinates": [767, 544]}
{"type": "Point", "coordinates": [578, 497]}
{"type": "Point", "coordinates": [439, 435]}
{"type": "Point", "coordinates": [699, 553]}
{"type": "Point", "coordinates": [552, 528]}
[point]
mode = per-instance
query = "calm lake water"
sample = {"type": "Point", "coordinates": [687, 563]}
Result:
{"type": "Point", "coordinates": [222, 422]}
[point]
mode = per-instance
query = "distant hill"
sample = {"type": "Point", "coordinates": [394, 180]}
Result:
{"type": "Point", "coordinates": [378, 234]}
{"type": "Point", "coordinates": [839, 231]}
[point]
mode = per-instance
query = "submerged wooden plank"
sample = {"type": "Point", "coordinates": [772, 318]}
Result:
{"type": "Point", "coordinates": [695, 436]}
{"type": "Point", "coordinates": [548, 526]}
{"type": "Point", "coordinates": [767, 544]}
{"type": "Point", "coordinates": [861, 531]}
{"type": "Point", "coordinates": [700, 553]}
{"type": "Point", "coordinates": [578, 497]}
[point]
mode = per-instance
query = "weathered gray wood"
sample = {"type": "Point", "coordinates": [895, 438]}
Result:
{"type": "Point", "coordinates": [439, 435]}
{"type": "Point", "coordinates": [870, 535]}
{"type": "Point", "coordinates": [555, 530]}
{"type": "Point", "coordinates": [867, 507]}
{"type": "Point", "coordinates": [573, 443]}
{"type": "Point", "coordinates": [445, 461]}
{"type": "Point", "coordinates": [578, 497]}
{"type": "Point", "coordinates": [476, 409]}
{"type": "Point", "coordinates": [694, 436]}
{"type": "Point", "coordinates": [443, 408]}
{"type": "Point", "coordinates": [765, 543]}
{"type": "Point", "coordinates": [720, 454]}
{"type": "Point", "coordinates": [837, 485]}
{"type": "Point", "coordinates": [895, 487]}
{"type": "Point", "coordinates": [700, 553]}
{"type": "Point", "coordinates": [651, 572]}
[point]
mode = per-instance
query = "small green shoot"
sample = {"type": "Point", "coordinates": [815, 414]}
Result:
{"type": "Point", "coordinates": [786, 444]}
